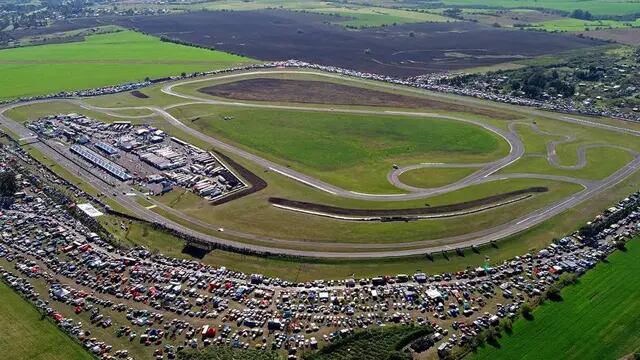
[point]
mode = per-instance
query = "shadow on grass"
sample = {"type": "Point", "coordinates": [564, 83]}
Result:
{"type": "Point", "coordinates": [494, 342]}
{"type": "Point", "coordinates": [555, 297]}
{"type": "Point", "coordinates": [196, 252]}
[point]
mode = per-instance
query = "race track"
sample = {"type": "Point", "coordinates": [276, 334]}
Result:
{"type": "Point", "coordinates": [486, 172]}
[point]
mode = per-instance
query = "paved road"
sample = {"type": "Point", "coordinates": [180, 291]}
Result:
{"type": "Point", "coordinates": [273, 245]}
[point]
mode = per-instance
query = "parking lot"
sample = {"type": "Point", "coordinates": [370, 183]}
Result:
{"type": "Point", "coordinates": [122, 302]}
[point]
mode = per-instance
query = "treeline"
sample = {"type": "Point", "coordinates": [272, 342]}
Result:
{"type": "Point", "coordinates": [218, 352]}
{"type": "Point", "coordinates": [382, 343]}
{"type": "Point", "coordinates": [192, 44]}
{"type": "Point", "coordinates": [535, 82]}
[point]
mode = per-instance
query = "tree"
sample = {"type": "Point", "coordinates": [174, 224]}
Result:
{"type": "Point", "coordinates": [8, 185]}
{"type": "Point", "coordinates": [568, 279]}
{"type": "Point", "coordinates": [526, 311]}
{"type": "Point", "coordinates": [553, 293]}
{"type": "Point", "coordinates": [454, 13]}
{"type": "Point", "coordinates": [581, 14]}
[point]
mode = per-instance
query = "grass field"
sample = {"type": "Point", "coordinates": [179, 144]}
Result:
{"type": "Point", "coordinates": [599, 318]}
{"type": "Point", "coordinates": [601, 162]}
{"type": "Point", "coordinates": [361, 17]}
{"type": "Point", "coordinates": [596, 7]}
{"type": "Point", "coordinates": [570, 24]}
{"type": "Point", "coordinates": [349, 150]}
{"type": "Point", "coordinates": [24, 335]}
{"type": "Point", "coordinates": [351, 15]}
{"type": "Point", "coordinates": [434, 177]}
{"type": "Point", "coordinates": [101, 60]}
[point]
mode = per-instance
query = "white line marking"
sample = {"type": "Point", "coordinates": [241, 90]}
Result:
{"type": "Point", "coordinates": [302, 181]}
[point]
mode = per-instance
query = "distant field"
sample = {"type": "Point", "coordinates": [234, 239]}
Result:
{"type": "Point", "coordinates": [402, 50]}
{"type": "Point", "coordinates": [596, 7]}
{"type": "Point", "coordinates": [25, 336]}
{"type": "Point", "coordinates": [101, 60]}
{"type": "Point", "coordinates": [599, 318]}
{"type": "Point", "coordinates": [349, 15]}
{"type": "Point", "coordinates": [570, 24]}
{"type": "Point", "coordinates": [373, 16]}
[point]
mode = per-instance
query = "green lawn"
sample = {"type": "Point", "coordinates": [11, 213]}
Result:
{"type": "Point", "coordinates": [25, 336]}
{"type": "Point", "coordinates": [601, 162]}
{"type": "Point", "coordinates": [434, 177]}
{"type": "Point", "coordinates": [351, 150]}
{"type": "Point", "coordinates": [599, 318]}
{"type": "Point", "coordinates": [101, 60]}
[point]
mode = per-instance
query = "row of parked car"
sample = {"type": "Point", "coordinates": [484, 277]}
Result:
{"type": "Point", "coordinates": [167, 304]}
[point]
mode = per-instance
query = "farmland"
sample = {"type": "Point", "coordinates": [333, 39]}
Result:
{"type": "Point", "coordinates": [402, 50]}
{"type": "Point", "coordinates": [26, 335]}
{"type": "Point", "coordinates": [569, 24]}
{"type": "Point", "coordinates": [596, 7]}
{"type": "Point", "coordinates": [100, 60]}
{"type": "Point", "coordinates": [597, 319]}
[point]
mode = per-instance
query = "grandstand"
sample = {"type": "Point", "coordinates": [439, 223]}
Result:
{"type": "Point", "coordinates": [116, 170]}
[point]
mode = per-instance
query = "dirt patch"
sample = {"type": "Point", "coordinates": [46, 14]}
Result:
{"type": "Point", "coordinates": [622, 36]}
{"type": "Point", "coordinates": [494, 199]}
{"type": "Point", "coordinates": [256, 183]}
{"type": "Point", "coordinates": [402, 50]}
{"type": "Point", "coordinates": [139, 94]}
{"type": "Point", "coordinates": [321, 92]}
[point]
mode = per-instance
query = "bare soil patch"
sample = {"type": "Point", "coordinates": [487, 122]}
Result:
{"type": "Point", "coordinates": [402, 50]}
{"type": "Point", "coordinates": [494, 199]}
{"type": "Point", "coordinates": [321, 92]}
{"type": "Point", "coordinates": [139, 94]}
{"type": "Point", "coordinates": [622, 36]}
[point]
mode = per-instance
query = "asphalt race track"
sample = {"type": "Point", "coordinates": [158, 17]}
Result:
{"type": "Point", "coordinates": [486, 172]}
